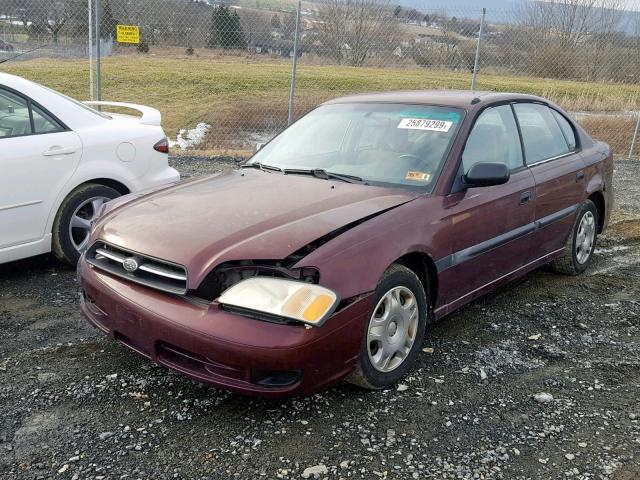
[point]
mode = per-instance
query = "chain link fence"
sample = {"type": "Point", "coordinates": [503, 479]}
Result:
{"type": "Point", "coordinates": [222, 73]}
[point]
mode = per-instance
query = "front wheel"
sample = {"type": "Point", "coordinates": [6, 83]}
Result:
{"type": "Point", "coordinates": [72, 224]}
{"type": "Point", "coordinates": [394, 331]}
{"type": "Point", "coordinates": [578, 251]}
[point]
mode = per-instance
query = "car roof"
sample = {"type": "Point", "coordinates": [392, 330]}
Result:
{"type": "Point", "coordinates": [13, 81]}
{"type": "Point", "coordinates": [71, 114]}
{"type": "Point", "coordinates": [455, 98]}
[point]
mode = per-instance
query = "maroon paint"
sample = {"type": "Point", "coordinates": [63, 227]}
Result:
{"type": "Point", "coordinates": [255, 215]}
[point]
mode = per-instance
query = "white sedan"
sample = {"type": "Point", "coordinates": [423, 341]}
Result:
{"type": "Point", "coordinates": [60, 160]}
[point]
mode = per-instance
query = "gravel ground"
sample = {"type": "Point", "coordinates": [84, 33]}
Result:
{"type": "Point", "coordinates": [538, 380]}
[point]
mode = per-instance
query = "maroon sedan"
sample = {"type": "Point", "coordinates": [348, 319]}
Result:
{"type": "Point", "coordinates": [325, 256]}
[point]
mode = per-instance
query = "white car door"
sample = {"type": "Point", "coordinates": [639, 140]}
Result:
{"type": "Point", "coordinates": [38, 155]}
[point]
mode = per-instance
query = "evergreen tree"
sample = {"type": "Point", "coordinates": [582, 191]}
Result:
{"type": "Point", "coordinates": [225, 30]}
{"type": "Point", "coordinates": [236, 39]}
{"type": "Point", "coordinates": [217, 18]}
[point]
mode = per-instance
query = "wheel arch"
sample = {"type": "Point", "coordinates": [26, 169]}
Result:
{"type": "Point", "coordinates": [108, 182]}
{"type": "Point", "coordinates": [425, 268]}
{"type": "Point", "coordinates": [597, 198]}
{"type": "Point", "coordinates": [117, 185]}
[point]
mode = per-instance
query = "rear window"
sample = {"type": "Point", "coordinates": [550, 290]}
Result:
{"type": "Point", "coordinates": [80, 104]}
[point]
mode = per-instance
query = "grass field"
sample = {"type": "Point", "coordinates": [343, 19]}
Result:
{"type": "Point", "coordinates": [237, 94]}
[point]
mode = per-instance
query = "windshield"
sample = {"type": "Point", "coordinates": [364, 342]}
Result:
{"type": "Point", "coordinates": [395, 144]}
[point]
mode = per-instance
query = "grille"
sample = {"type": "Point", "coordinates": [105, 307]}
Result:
{"type": "Point", "coordinates": [148, 271]}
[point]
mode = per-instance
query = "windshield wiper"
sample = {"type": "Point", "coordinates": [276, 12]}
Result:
{"type": "Point", "coordinates": [322, 173]}
{"type": "Point", "coordinates": [262, 166]}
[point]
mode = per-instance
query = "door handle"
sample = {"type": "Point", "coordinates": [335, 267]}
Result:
{"type": "Point", "coordinates": [579, 176]}
{"type": "Point", "coordinates": [525, 197]}
{"type": "Point", "coordinates": [57, 151]}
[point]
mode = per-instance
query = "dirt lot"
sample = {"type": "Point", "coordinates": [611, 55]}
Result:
{"type": "Point", "coordinates": [75, 405]}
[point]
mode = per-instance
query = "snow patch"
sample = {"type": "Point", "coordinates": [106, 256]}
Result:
{"type": "Point", "coordinates": [615, 248]}
{"type": "Point", "coordinates": [189, 138]}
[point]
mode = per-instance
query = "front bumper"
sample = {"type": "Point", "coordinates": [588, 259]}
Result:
{"type": "Point", "coordinates": [219, 348]}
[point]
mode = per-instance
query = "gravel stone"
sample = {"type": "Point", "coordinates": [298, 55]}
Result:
{"type": "Point", "coordinates": [543, 397]}
{"type": "Point", "coordinates": [315, 471]}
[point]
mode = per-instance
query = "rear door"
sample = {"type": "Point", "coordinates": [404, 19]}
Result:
{"type": "Point", "coordinates": [553, 156]}
{"type": "Point", "coordinates": [490, 227]}
{"type": "Point", "coordinates": [38, 155]}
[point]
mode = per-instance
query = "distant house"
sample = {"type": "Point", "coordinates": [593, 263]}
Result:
{"type": "Point", "coordinates": [274, 46]}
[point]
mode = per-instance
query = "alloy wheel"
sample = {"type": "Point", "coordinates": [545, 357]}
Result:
{"type": "Point", "coordinates": [80, 224]}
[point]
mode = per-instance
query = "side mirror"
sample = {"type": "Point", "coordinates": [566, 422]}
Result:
{"type": "Point", "coordinates": [258, 147]}
{"type": "Point", "coordinates": [486, 175]}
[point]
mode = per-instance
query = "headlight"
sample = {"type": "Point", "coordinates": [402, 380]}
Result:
{"type": "Point", "coordinates": [301, 301]}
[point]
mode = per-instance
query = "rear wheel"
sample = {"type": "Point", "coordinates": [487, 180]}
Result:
{"type": "Point", "coordinates": [72, 224]}
{"type": "Point", "coordinates": [578, 251]}
{"type": "Point", "coordinates": [394, 331]}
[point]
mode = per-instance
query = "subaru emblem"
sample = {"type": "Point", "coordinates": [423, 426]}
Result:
{"type": "Point", "coordinates": [130, 264]}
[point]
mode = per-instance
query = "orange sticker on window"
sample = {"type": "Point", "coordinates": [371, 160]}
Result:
{"type": "Point", "coordinates": [418, 176]}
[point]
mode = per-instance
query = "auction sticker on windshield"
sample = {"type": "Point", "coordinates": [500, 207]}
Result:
{"type": "Point", "coordinates": [418, 176]}
{"type": "Point", "coordinates": [425, 124]}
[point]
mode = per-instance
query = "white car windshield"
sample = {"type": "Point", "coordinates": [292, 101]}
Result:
{"type": "Point", "coordinates": [395, 144]}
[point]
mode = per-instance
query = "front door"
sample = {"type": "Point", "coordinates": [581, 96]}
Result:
{"type": "Point", "coordinates": [38, 155]}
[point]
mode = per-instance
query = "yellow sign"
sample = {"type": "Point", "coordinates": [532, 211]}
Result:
{"type": "Point", "coordinates": [128, 34]}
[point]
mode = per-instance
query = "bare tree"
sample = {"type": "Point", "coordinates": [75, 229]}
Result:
{"type": "Point", "coordinates": [354, 29]}
{"type": "Point", "coordinates": [569, 22]}
{"type": "Point", "coordinates": [57, 15]}
{"type": "Point", "coordinates": [604, 37]}
{"type": "Point", "coordinates": [559, 29]}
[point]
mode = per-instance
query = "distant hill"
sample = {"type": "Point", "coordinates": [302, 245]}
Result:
{"type": "Point", "coordinates": [502, 11]}
{"type": "Point", "coordinates": [497, 10]}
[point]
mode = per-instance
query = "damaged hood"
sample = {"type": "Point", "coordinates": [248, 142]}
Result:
{"type": "Point", "coordinates": [240, 215]}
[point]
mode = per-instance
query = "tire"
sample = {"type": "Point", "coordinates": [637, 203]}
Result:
{"type": "Point", "coordinates": [83, 203]}
{"type": "Point", "coordinates": [577, 253]}
{"type": "Point", "coordinates": [379, 339]}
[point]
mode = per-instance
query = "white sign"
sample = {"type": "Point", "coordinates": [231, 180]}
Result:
{"type": "Point", "coordinates": [425, 124]}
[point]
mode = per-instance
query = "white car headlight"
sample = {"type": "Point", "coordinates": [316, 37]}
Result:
{"type": "Point", "coordinates": [301, 301]}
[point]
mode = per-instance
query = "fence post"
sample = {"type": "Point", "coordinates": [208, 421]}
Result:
{"type": "Point", "coordinates": [89, 5]}
{"type": "Point", "coordinates": [635, 136]}
{"type": "Point", "coordinates": [477, 60]}
{"type": "Point", "coordinates": [98, 72]}
{"type": "Point", "coordinates": [294, 68]}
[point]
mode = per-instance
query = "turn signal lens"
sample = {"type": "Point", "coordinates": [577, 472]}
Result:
{"type": "Point", "coordinates": [304, 302]}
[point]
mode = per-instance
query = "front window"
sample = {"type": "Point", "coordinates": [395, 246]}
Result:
{"type": "Point", "coordinates": [494, 138]}
{"type": "Point", "coordinates": [385, 144]}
